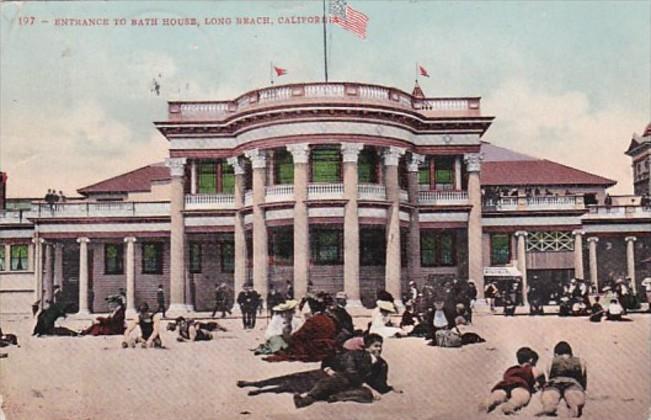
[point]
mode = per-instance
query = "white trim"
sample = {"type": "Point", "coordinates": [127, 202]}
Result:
{"type": "Point", "coordinates": [210, 221]}
{"type": "Point", "coordinates": [443, 217]}
{"type": "Point", "coordinates": [326, 212]}
{"type": "Point", "coordinates": [279, 214]}
{"type": "Point", "coordinates": [105, 227]}
{"type": "Point", "coordinates": [16, 233]}
{"type": "Point", "coordinates": [372, 213]}
{"type": "Point", "coordinates": [530, 221]}
{"type": "Point", "coordinates": [618, 228]}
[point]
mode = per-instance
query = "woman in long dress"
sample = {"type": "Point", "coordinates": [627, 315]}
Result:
{"type": "Point", "coordinates": [381, 321]}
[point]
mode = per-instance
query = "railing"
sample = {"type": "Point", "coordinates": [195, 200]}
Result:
{"type": "Point", "coordinates": [318, 191]}
{"type": "Point", "coordinates": [618, 212]}
{"type": "Point", "coordinates": [248, 198]}
{"type": "Point", "coordinates": [209, 201]}
{"type": "Point", "coordinates": [443, 197]}
{"type": "Point", "coordinates": [276, 193]}
{"type": "Point", "coordinates": [570, 202]}
{"type": "Point", "coordinates": [101, 209]}
{"type": "Point", "coordinates": [14, 216]}
{"type": "Point", "coordinates": [404, 196]}
{"type": "Point", "coordinates": [349, 91]}
{"type": "Point", "coordinates": [371, 192]}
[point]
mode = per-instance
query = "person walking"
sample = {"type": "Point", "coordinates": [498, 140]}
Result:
{"type": "Point", "coordinates": [160, 298]}
{"type": "Point", "coordinates": [220, 300]}
{"type": "Point", "coordinates": [249, 300]}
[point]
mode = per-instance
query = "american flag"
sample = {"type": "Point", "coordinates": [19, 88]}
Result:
{"type": "Point", "coordinates": [348, 18]}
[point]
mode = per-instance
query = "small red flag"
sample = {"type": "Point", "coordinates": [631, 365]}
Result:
{"type": "Point", "coordinates": [280, 71]}
{"type": "Point", "coordinates": [422, 71]}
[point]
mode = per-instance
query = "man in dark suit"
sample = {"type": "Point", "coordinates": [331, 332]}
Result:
{"type": "Point", "coordinates": [249, 300]}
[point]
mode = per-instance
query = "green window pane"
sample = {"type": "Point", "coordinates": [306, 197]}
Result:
{"type": "Point", "coordinates": [327, 247]}
{"type": "Point", "coordinates": [423, 175]}
{"type": "Point", "coordinates": [284, 166]}
{"type": "Point", "coordinates": [195, 257]}
{"type": "Point", "coordinates": [152, 258]}
{"type": "Point", "coordinates": [366, 167]}
{"type": "Point", "coordinates": [228, 257]}
{"type": "Point", "coordinates": [18, 257]}
{"type": "Point", "coordinates": [207, 179]}
{"type": "Point", "coordinates": [326, 165]}
{"type": "Point", "coordinates": [372, 247]}
{"type": "Point", "coordinates": [113, 259]}
{"type": "Point", "coordinates": [427, 249]}
{"type": "Point", "coordinates": [2, 258]}
{"type": "Point", "coordinates": [447, 249]}
{"type": "Point", "coordinates": [282, 246]}
{"type": "Point", "coordinates": [500, 249]}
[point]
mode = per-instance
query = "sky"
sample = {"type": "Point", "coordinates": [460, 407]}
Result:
{"type": "Point", "coordinates": [567, 81]}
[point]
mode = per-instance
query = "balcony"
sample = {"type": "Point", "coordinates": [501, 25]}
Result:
{"type": "Point", "coordinates": [443, 198]}
{"type": "Point", "coordinates": [618, 212]}
{"type": "Point", "coordinates": [371, 192]}
{"type": "Point", "coordinates": [523, 203]}
{"type": "Point", "coordinates": [319, 191]}
{"type": "Point", "coordinates": [100, 209]}
{"type": "Point", "coordinates": [279, 193]}
{"type": "Point", "coordinates": [12, 217]}
{"type": "Point", "coordinates": [317, 93]}
{"type": "Point", "coordinates": [209, 201]}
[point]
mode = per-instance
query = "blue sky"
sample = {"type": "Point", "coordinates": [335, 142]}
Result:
{"type": "Point", "coordinates": [569, 81]}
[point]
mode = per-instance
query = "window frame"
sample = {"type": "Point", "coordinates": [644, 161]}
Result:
{"type": "Point", "coordinates": [19, 257]}
{"type": "Point", "coordinates": [230, 267]}
{"type": "Point", "coordinates": [274, 244]}
{"type": "Point", "coordinates": [283, 159]}
{"type": "Point", "coordinates": [372, 236]}
{"type": "Point", "coordinates": [2, 258]}
{"type": "Point", "coordinates": [368, 156]}
{"type": "Point", "coordinates": [337, 161]}
{"type": "Point", "coordinates": [194, 265]}
{"type": "Point", "coordinates": [119, 259]}
{"type": "Point", "coordinates": [316, 236]}
{"type": "Point", "coordinates": [159, 250]}
{"type": "Point", "coordinates": [493, 260]}
{"type": "Point", "coordinates": [437, 236]}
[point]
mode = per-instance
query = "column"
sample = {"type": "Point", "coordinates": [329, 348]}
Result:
{"type": "Point", "coordinates": [83, 276]}
{"type": "Point", "coordinates": [38, 269]}
{"type": "Point", "coordinates": [578, 254]}
{"type": "Point", "coordinates": [457, 173]}
{"type": "Point", "coordinates": [522, 261]}
{"type": "Point", "coordinates": [58, 264]}
{"type": "Point", "coordinates": [350, 154]}
{"type": "Point", "coordinates": [592, 256]}
{"type": "Point", "coordinates": [413, 240]}
{"type": "Point", "coordinates": [260, 251]}
{"type": "Point", "coordinates": [193, 177]}
{"type": "Point", "coordinates": [300, 156]}
{"type": "Point", "coordinates": [239, 275]}
{"type": "Point", "coordinates": [130, 268]}
{"type": "Point", "coordinates": [475, 259]}
{"type": "Point", "coordinates": [177, 302]}
{"type": "Point", "coordinates": [630, 261]}
{"type": "Point", "coordinates": [48, 276]}
{"type": "Point", "coordinates": [7, 261]}
{"type": "Point", "coordinates": [392, 267]}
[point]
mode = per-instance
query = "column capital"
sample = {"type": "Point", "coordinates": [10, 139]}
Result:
{"type": "Point", "coordinates": [300, 152]}
{"type": "Point", "coordinates": [83, 240]}
{"type": "Point", "coordinates": [131, 239]}
{"type": "Point", "coordinates": [38, 241]}
{"type": "Point", "coordinates": [392, 155]}
{"type": "Point", "coordinates": [235, 163]}
{"type": "Point", "coordinates": [473, 161]}
{"type": "Point", "coordinates": [258, 158]}
{"type": "Point", "coordinates": [630, 239]}
{"type": "Point", "coordinates": [593, 239]}
{"type": "Point", "coordinates": [415, 162]}
{"type": "Point", "coordinates": [578, 232]}
{"type": "Point", "coordinates": [350, 151]}
{"type": "Point", "coordinates": [521, 233]}
{"type": "Point", "coordinates": [176, 165]}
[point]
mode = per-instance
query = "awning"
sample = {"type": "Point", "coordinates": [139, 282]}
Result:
{"type": "Point", "coordinates": [502, 272]}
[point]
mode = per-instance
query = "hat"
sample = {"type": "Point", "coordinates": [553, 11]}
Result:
{"type": "Point", "coordinates": [573, 281]}
{"type": "Point", "coordinates": [606, 289]}
{"type": "Point", "coordinates": [288, 305]}
{"type": "Point", "coordinates": [412, 283]}
{"type": "Point", "coordinates": [341, 295]}
{"type": "Point", "coordinates": [386, 306]}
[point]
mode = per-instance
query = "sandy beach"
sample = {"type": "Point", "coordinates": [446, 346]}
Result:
{"type": "Point", "coordinates": [93, 378]}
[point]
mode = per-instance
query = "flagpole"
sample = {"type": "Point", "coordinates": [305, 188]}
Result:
{"type": "Point", "coordinates": [271, 72]}
{"type": "Point", "coordinates": [325, 43]}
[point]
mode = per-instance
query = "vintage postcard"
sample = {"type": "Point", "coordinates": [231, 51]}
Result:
{"type": "Point", "coordinates": [325, 209]}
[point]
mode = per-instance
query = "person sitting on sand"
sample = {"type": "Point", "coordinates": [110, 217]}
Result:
{"type": "Point", "coordinates": [614, 311]}
{"type": "Point", "coordinates": [346, 379]}
{"type": "Point", "coordinates": [280, 328]}
{"type": "Point", "coordinates": [596, 310]}
{"type": "Point", "coordinates": [191, 330]}
{"type": "Point", "coordinates": [111, 325]}
{"type": "Point", "coordinates": [381, 320]}
{"type": "Point", "coordinates": [518, 383]}
{"type": "Point", "coordinates": [568, 380]}
{"type": "Point", "coordinates": [144, 329]}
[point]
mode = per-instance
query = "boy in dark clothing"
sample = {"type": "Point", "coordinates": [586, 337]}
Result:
{"type": "Point", "coordinates": [160, 297]}
{"type": "Point", "coordinates": [596, 311]}
{"type": "Point", "coordinates": [350, 372]}
{"type": "Point", "coordinates": [518, 383]}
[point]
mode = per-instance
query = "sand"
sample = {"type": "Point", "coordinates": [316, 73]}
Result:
{"type": "Point", "coordinates": [93, 378]}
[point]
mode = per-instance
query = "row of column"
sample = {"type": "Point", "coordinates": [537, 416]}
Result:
{"type": "Point", "coordinates": [578, 258]}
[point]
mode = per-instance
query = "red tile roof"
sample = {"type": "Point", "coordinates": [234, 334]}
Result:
{"type": "Point", "coordinates": [505, 167]}
{"type": "Point", "coordinates": [138, 180]}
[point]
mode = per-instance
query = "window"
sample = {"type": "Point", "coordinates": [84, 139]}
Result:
{"type": "Point", "coordinates": [2, 257]}
{"type": "Point", "coordinates": [228, 178]}
{"type": "Point", "coordinates": [281, 246]}
{"type": "Point", "coordinates": [195, 257]}
{"type": "Point", "coordinates": [423, 173]}
{"type": "Point", "coordinates": [367, 167]}
{"type": "Point", "coordinates": [113, 259]}
{"type": "Point", "coordinates": [372, 246]}
{"type": "Point", "coordinates": [437, 248]}
{"type": "Point", "coordinates": [327, 246]}
{"type": "Point", "coordinates": [228, 256]}
{"type": "Point", "coordinates": [500, 248]}
{"type": "Point", "coordinates": [550, 241]}
{"type": "Point", "coordinates": [283, 167]}
{"type": "Point", "coordinates": [444, 173]}
{"type": "Point", "coordinates": [326, 165]}
{"type": "Point", "coordinates": [18, 257]}
{"type": "Point", "coordinates": [207, 178]}
{"type": "Point", "coordinates": [152, 258]}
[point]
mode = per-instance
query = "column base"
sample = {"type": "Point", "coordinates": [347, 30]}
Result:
{"type": "Point", "coordinates": [178, 309]}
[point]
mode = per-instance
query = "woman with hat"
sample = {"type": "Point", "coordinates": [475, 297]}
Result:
{"type": "Point", "coordinates": [381, 320]}
{"type": "Point", "coordinates": [280, 328]}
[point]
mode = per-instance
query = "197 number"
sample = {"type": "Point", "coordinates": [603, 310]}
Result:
{"type": "Point", "coordinates": [26, 20]}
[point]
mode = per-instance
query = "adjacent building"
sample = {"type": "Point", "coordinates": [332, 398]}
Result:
{"type": "Point", "coordinates": [337, 186]}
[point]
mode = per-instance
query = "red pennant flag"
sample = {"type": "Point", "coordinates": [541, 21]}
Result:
{"type": "Point", "coordinates": [280, 71]}
{"type": "Point", "coordinates": [422, 71]}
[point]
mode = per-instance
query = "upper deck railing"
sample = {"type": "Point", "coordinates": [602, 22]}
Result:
{"type": "Point", "coordinates": [617, 212]}
{"type": "Point", "coordinates": [569, 202]}
{"type": "Point", "coordinates": [311, 93]}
